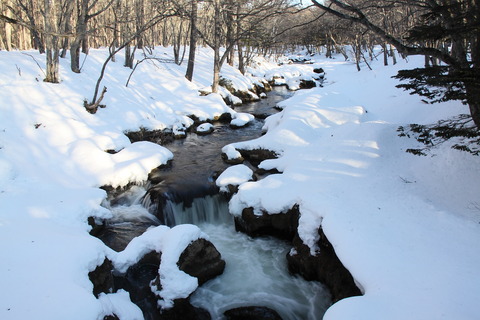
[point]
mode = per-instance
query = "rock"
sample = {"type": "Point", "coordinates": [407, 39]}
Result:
{"type": "Point", "coordinates": [238, 160]}
{"type": "Point", "coordinates": [256, 156]}
{"type": "Point", "coordinates": [156, 136]}
{"type": "Point", "coordinates": [246, 96]}
{"type": "Point", "coordinates": [204, 129]}
{"type": "Point", "coordinates": [102, 278]}
{"type": "Point", "coordinates": [307, 84]}
{"type": "Point", "coordinates": [324, 267]}
{"type": "Point", "coordinates": [224, 117]}
{"type": "Point", "coordinates": [318, 70]}
{"type": "Point", "coordinates": [201, 260]}
{"type": "Point", "coordinates": [231, 155]}
{"type": "Point", "coordinates": [252, 313]}
{"type": "Point", "coordinates": [137, 282]}
{"type": "Point", "coordinates": [281, 225]}
{"type": "Point", "coordinates": [183, 310]}
{"type": "Point", "coordinates": [241, 120]}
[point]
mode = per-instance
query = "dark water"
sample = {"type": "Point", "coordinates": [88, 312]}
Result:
{"type": "Point", "coordinates": [198, 158]}
{"type": "Point", "coordinates": [256, 271]}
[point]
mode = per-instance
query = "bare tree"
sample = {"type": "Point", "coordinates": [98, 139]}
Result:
{"type": "Point", "coordinates": [193, 40]}
{"type": "Point", "coordinates": [453, 22]}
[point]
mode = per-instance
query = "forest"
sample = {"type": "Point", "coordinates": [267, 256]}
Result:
{"type": "Point", "coordinates": [446, 32]}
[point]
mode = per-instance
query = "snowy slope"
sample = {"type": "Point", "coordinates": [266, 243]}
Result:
{"type": "Point", "coordinates": [53, 160]}
{"type": "Point", "coordinates": [407, 227]}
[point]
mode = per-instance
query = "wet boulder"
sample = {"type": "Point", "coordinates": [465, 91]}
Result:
{"type": "Point", "coordinates": [323, 266]}
{"type": "Point", "coordinates": [183, 310]}
{"type": "Point", "coordinates": [102, 278]}
{"type": "Point", "coordinates": [255, 156]}
{"type": "Point", "coordinates": [252, 313]}
{"type": "Point", "coordinates": [137, 281]}
{"type": "Point", "coordinates": [201, 260]}
{"type": "Point", "coordinates": [281, 225]}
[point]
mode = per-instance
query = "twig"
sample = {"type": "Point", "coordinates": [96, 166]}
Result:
{"type": "Point", "coordinates": [35, 62]}
{"type": "Point", "coordinates": [405, 180]}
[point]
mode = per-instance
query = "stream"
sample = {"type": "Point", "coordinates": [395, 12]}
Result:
{"type": "Point", "coordinates": [256, 272]}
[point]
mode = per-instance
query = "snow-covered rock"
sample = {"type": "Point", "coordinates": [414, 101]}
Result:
{"type": "Point", "coordinates": [204, 128]}
{"type": "Point", "coordinates": [234, 176]}
{"type": "Point", "coordinates": [241, 120]}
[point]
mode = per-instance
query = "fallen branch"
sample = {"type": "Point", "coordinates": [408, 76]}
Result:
{"type": "Point", "coordinates": [93, 107]}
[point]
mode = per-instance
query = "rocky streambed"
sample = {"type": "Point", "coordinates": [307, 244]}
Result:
{"type": "Point", "coordinates": [250, 267]}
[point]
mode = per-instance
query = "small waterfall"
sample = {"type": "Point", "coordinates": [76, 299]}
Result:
{"type": "Point", "coordinates": [210, 209]}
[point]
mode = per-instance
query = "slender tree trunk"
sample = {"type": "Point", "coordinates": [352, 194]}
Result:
{"type": "Point", "coordinates": [473, 100]}
{"type": "Point", "coordinates": [216, 69]}
{"type": "Point", "coordinates": [385, 54]}
{"type": "Point", "coordinates": [78, 41]}
{"type": "Point", "coordinates": [52, 74]}
{"type": "Point", "coordinates": [66, 25]}
{"type": "Point", "coordinates": [216, 49]}
{"type": "Point", "coordinates": [129, 56]}
{"type": "Point", "coordinates": [8, 31]}
{"type": "Point", "coordinates": [328, 43]}
{"type": "Point", "coordinates": [241, 58]}
{"type": "Point", "coordinates": [394, 56]}
{"type": "Point", "coordinates": [193, 42]}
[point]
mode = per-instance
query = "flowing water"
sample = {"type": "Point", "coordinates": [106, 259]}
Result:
{"type": "Point", "coordinates": [256, 272]}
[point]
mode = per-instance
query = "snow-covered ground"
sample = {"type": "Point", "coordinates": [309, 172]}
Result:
{"type": "Point", "coordinates": [407, 227]}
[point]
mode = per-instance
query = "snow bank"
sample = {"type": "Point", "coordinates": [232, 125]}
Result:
{"type": "Point", "coordinates": [406, 227]}
{"type": "Point", "coordinates": [54, 156]}
{"type": "Point", "coordinates": [401, 224]}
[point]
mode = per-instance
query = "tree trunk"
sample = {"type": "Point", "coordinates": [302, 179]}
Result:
{"type": "Point", "coordinates": [216, 48]}
{"type": "Point", "coordinates": [52, 74]}
{"type": "Point", "coordinates": [241, 58]}
{"type": "Point", "coordinates": [80, 30]}
{"type": "Point", "coordinates": [473, 100]}
{"type": "Point", "coordinates": [394, 57]}
{"type": "Point", "coordinates": [8, 31]}
{"type": "Point", "coordinates": [385, 54]}
{"type": "Point", "coordinates": [216, 70]}
{"type": "Point", "coordinates": [193, 42]}
{"type": "Point", "coordinates": [129, 56]}
{"type": "Point", "coordinates": [328, 44]}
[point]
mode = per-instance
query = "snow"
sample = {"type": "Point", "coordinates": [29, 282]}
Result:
{"type": "Point", "coordinates": [407, 227]}
{"type": "Point", "coordinates": [234, 176]}
{"type": "Point", "coordinates": [171, 242]}
{"type": "Point", "coordinates": [241, 119]}
{"type": "Point", "coordinates": [205, 128]}
{"type": "Point", "coordinates": [54, 156]}
{"type": "Point", "coordinates": [231, 152]}
{"type": "Point", "coordinates": [119, 304]}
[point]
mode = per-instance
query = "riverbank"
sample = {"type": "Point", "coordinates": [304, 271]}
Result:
{"type": "Point", "coordinates": [405, 226]}
{"type": "Point", "coordinates": [55, 156]}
